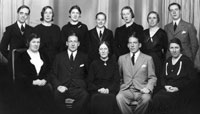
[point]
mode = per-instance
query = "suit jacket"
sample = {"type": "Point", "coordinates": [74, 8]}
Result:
{"type": "Point", "coordinates": [121, 37]}
{"type": "Point", "coordinates": [187, 33]}
{"type": "Point", "coordinates": [94, 42]}
{"type": "Point", "coordinates": [141, 75]}
{"type": "Point", "coordinates": [13, 37]}
{"type": "Point", "coordinates": [26, 72]}
{"type": "Point", "coordinates": [63, 74]}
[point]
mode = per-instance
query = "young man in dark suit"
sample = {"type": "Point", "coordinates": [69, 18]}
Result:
{"type": "Point", "coordinates": [129, 28]}
{"type": "Point", "coordinates": [99, 34]}
{"type": "Point", "coordinates": [182, 30]}
{"type": "Point", "coordinates": [68, 77]}
{"type": "Point", "coordinates": [15, 36]}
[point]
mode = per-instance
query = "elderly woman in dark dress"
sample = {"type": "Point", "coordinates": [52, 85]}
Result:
{"type": "Point", "coordinates": [177, 76]}
{"type": "Point", "coordinates": [103, 82]}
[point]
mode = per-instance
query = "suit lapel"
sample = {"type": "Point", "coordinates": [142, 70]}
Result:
{"type": "Point", "coordinates": [66, 60]}
{"type": "Point", "coordinates": [17, 30]}
{"type": "Point", "coordinates": [179, 27]}
{"type": "Point", "coordinates": [171, 28]}
{"type": "Point", "coordinates": [138, 64]}
{"type": "Point", "coordinates": [95, 34]}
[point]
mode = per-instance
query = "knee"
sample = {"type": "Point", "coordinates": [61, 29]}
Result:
{"type": "Point", "coordinates": [119, 97]}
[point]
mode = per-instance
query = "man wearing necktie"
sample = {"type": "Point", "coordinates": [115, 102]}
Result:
{"type": "Point", "coordinates": [182, 30]}
{"type": "Point", "coordinates": [68, 74]}
{"type": "Point", "coordinates": [138, 75]}
{"type": "Point", "coordinates": [97, 35]}
{"type": "Point", "coordinates": [15, 36]}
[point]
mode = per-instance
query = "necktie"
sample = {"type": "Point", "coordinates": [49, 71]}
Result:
{"type": "Point", "coordinates": [175, 26]}
{"type": "Point", "coordinates": [100, 34]}
{"type": "Point", "coordinates": [22, 28]}
{"type": "Point", "coordinates": [71, 57]}
{"type": "Point", "coordinates": [133, 59]}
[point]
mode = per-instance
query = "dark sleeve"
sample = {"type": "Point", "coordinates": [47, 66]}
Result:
{"type": "Point", "coordinates": [54, 73]}
{"type": "Point", "coordinates": [91, 77]}
{"type": "Point", "coordinates": [111, 42]}
{"type": "Point", "coordinates": [116, 43]}
{"type": "Point", "coordinates": [164, 44]}
{"type": "Point", "coordinates": [63, 38]}
{"type": "Point", "coordinates": [114, 87]}
{"type": "Point", "coordinates": [5, 42]}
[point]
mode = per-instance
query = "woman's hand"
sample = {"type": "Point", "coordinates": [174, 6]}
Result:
{"type": "Point", "coordinates": [103, 90]}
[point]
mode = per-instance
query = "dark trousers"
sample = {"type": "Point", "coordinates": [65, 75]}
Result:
{"type": "Point", "coordinates": [79, 106]}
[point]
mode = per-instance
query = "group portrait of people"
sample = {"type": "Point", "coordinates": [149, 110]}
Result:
{"type": "Point", "coordinates": [133, 71]}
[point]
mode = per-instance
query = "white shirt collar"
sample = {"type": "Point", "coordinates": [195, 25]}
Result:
{"type": "Point", "coordinates": [176, 21]}
{"type": "Point", "coordinates": [100, 29]}
{"type": "Point", "coordinates": [19, 24]}
{"type": "Point", "coordinates": [74, 53]}
{"type": "Point", "coordinates": [136, 55]}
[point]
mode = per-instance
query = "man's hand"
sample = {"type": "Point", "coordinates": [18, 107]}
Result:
{"type": "Point", "coordinates": [145, 90]}
{"type": "Point", "coordinates": [62, 89]}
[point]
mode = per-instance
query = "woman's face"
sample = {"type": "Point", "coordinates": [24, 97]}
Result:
{"type": "Point", "coordinates": [34, 44]}
{"type": "Point", "coordinates": [175, 50]}
{"type": "Point", "coordinates": [152, 20]}
{"type": "Point", "coordinates": [75, 15]}
{"type": "Point", "coordinates": [103, 51]}
{"type": "Point", "coordinates": [48, 15]}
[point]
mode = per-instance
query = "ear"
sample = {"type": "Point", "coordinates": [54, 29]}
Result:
{"type": "Point", "coordinates": [67, 43]}
{"type": "Point", "coordinates": [140, 45]}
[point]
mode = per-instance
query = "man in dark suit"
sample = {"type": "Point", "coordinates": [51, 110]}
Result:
{"type": "Point", "coordinates": [15, 35]}
{"type": "Point", "coordinates": [99, 34]}
{"type": "Point", "coordinates": [138, 75]}
{"type": "Point", "coordinates": [68, 77]}
{"type": "Point", "coordinates": [182, 30]}
{"type": "Point", "coordinates": [129, 28]}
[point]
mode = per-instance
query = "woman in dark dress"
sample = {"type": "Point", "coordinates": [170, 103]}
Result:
{"type": "Point", "coordinates": [155, 43]}
{"type": "Point", "coordinates": [49, 33]}
{"type": "Point", "coordinates": [77, 27]}
{"type": "Point", "coordinates": [176, 79]}
{"type": "Point", "coordinates": [103, 83]}
{"type": "Point", "coordinates": [32, 68]}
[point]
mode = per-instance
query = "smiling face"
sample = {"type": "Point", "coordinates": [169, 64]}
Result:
{"type": "Point", "coordinates": [100, 20]}
{"type": "Point", "coordinates": [127, 16]}
{"type": "Point", "coordinates": [175, 12]}
{"type": "Point", "coordinates": [72, 43]}
{"type": "Point", "coordinates": [103, 51]}
{"type": "Point", "coordinates": [152, 20]}
{"type": "Point", "coordinates": [34, 44]}
{"type": "Point", "coordinates": [75, 15]}
{"type": "Point", "coordinates": [175, 50]}
{"type": "Point", "coordinates": [23, 15]}
{"type": "Point", "coordinates": [48, 15]}
{"type": "Point", "coordinates": [133, 44]}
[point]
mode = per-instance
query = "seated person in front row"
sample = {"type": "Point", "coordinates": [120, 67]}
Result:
{"type": "Point", "coordinates": [177, 76]}
{"type": "Point", "coordinates": [32, 68]}
{"type": "Point", "coordinates": [68, 77]}
{"type": "Point", "coordinates": [103, 82]}
{"type": "Point", "coordinates": [138, 73]}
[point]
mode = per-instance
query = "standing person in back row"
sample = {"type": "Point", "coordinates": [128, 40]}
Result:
{"type": "Point", "coordinates": [15, 35]}
{"type": "Point", "coordinates": [182, 30]}
{"type": "Point", "coordinates": [77, 27]}
{"type": "Point", "coordinates": [129, 28]}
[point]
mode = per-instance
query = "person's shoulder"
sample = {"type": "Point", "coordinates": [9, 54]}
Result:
{"type": "Point", "coordinates": [187, 24]}
{"type": "Point", "coordinates": [110, 31]}
{"type": "Point", "coordinates": [121, 27]}
{"type": "Point", "coordinates": [66, 26]}
{"type": "Point", "coordinates": [145, 56]}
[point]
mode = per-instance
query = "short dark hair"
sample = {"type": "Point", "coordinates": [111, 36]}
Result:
{"type": "Point", "coordinates": [177, 41]}
{"type": "Point", "coordinates": [108, 45]}
{"type": "Point", "coordinates": [43, 10]}
{"type": "Point", "coordinates": [153, 12]}
{"type": "Point", "coordinates": [24, 6]}
{"type": "Point", "coordinates": [134, 36]}
{"type": "Point", "coordinates": [72, 34]}
{"type": "Point", "coordinates": [101, 13]}
{"type": "Point", "coordinates": [31, 37]}
{"type": "Point", "coordinates": [128, 7]}
{"type": "Point", "coordinates": [75, 7]}
{"type": "Point", "coordinates": [174, 3]}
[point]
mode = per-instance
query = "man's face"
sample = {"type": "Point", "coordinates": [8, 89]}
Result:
{"type": "Point", "coordinates": [100, 21]}
{"type": "Point", "coordinates": [75, 15]}
{"type": "Point", "coordinates": [126, 14]}
{"type": "Point", "coordinates": [175, 12]}
{"type": "Point", "coordinates": [72, 43]}
{"type": "Point", "coordinates": [23, 15]}
{"type": "Point", "coordinates": [133, 44]}
{"type": "Point", "coordinates": [48, 15]}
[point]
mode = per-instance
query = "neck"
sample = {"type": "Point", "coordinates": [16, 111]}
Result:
{"type": "Point", "coordinates": [153, 27]}
{"type": "Point", "coordinates": [104, 59]}
{"type": "Point", "coordinates": [31, 51]}
{"type": "Point", "coordinates": [130, 23]}
{"type": "Point", "coordinates": [74, 22]}
{"type": "Point", "coordinates": [46, 23]}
